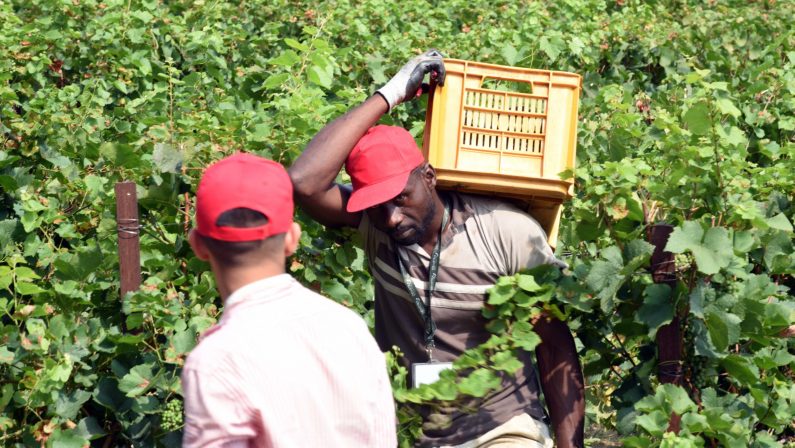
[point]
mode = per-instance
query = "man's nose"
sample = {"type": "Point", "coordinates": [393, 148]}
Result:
{"type": "Point", "coordinates": [392, 215]}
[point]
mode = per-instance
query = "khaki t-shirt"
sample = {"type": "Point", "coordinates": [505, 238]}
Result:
{"type": "Point", "coordinates": [486, 239]}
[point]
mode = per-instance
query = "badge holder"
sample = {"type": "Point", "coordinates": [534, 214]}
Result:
{"type": "Point", "coordinates": [427, 372]}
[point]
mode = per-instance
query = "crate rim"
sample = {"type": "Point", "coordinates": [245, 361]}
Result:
{"type": "Point", "coordinates": [514, 68]}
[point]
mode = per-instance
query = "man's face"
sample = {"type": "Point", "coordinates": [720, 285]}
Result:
{"type": "Point", "coordinates": [407, 217]}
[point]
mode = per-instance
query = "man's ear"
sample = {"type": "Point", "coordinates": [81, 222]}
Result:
{"type": "Point", "coordinates": [291, 239]}
{"type": "Point", "coordinates": [429, 175]}
{"type": "Point", "coordinates": [198, 246]}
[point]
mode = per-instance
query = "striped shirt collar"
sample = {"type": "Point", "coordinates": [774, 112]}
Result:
{"type": "Point", "coordinates": [259, 288]}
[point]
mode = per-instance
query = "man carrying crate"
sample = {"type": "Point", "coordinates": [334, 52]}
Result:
{"type": "Point", "coordinates": [433, 255]}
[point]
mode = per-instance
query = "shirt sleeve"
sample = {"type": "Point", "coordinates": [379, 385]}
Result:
{"type": "Point", "coordinates": [216, 414]}
{"type": "Point", "coordinates": [523, 241]}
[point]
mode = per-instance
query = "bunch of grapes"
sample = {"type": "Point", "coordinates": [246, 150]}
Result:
{"type": "Point", "coordinates": [171, 419]}
{"type": "Point", "coordinates": [683, 262]}
{"type": "Point", "coordinates": [697, 368]}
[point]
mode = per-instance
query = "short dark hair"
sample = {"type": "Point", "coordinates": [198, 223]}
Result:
{"type": "Point", "coordinates": [236, 253]}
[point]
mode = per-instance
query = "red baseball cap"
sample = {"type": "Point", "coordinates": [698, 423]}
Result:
{"type": "Point", "coordinates": [380, 165]}
{"type": "Point", "coordinates": [244, 181]}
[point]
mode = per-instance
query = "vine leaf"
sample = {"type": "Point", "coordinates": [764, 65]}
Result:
{"type": "Point", "coordinates": [138, 381]}
{"type": "Point", "coordinates": [657, 309]}
{"type": "Point", "coordinates": [479, 383]}
{"type": "Point", "coordinates": [711, 249]}
{"type": "Point", "coordinates": [741, 368]}
{"type": "Point", "coordinates": [68, 404]}
{"type": "Point", "coordinates": [697, 119]}
{"type": "Point", "coordinates": [723, 327]}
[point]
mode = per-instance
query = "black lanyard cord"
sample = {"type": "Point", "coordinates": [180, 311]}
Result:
{"type": "Point", "coordinates": [433, 270]}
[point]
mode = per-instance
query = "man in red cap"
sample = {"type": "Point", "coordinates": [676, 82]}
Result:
{"type": "Point", "coordinates": [433, 256]}
{"type": "Point", "coordinates": [283, 366]}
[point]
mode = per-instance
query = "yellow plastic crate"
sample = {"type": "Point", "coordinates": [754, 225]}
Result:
{"type": "Point", "coordinates": [500, 141]}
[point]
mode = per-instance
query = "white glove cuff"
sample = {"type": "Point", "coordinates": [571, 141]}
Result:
{"type": "Point", "coordinates": [391, 93]}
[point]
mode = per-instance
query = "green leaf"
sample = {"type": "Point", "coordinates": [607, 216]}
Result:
{"type": "Point", "coordinates": [25, 273]}
{"type": "Point", "coordinates": [6, 396]}
{"type": "Point", "coordinates": [6, 356]}
{"type": "Point", "coordinates": [724, 328]}
{"type": "Point", "coordinates": [119, 155]}
{"type": "Point", "coordinates": [166, 158]}
{"type": "Point", "coordinates": [6, 277]}
{"type": "Point", "coordinates": [479, 383]}
{"type": "Point", "coordinates": [138, 380]}
{"type": "Point", "coordinates": [605, 278]}
{"type": "Point", "coordinates": [142, 62]}
{"type": "Point", "coordinates": [712, 250]}
{"type": "Point", "coordinates": [107, 394]}
{"type": "Point", "coordinates": [68, 404]}
{"type": "Point", "coordinates": [743, 241]}
{"type": "Point", "coordinates": [322, 76]}
{"type": "Point", "coordinates": [29, 289]}
{"type": "Point", "coordinates": [636, 249]}
{"type": "Point", "coordinates": [552, 46]}
{"type": "Point", "coordinates": [685, 237]}
{"type": "Point", "coordinates": [506, 362]}
{"type": "Point", "coordinates": [678, 398]}
{"type": "Point", "coordinates": [697, 119]}
{"type": "Point", "coordinates": [183, 341]}
{"type": "Point", "coordinates": [527, 283]}
{"type": "Point", "coordinates": [286, 59]}
{"type": "Point", "coordinates": [500, 294]}
{"type": "Point", "coordinates": [510, 54]}
{"type": "Point", "coordinates": [135, 320]}
{"type": "Point", "coordinates": [524, 337]}
{"type": "Point", "coordinates": [741, 368]}
{"type": "Point", "coordinates": [576, 46]}
{"type": "Point", "coordinates": [694, 423]}
{"type": "Point", "coordinates": [657, 309]}
{"type": "Point", "coordinates": [780, 222]}
{"type": "Point", "coordinates": [89, 429]}
{"type": "Point", "coordinates": [8, 183]}
{"type": "Point", "coordinates": [334, 289]}
{"type": "Point", "coordinates": [95, 184]}
{"type": "Point", "coordinates": [725, 106]}
{"type": "Point", "coordinates": [66, 439]}
{"type": "Point", "coordinates": [276, 80]}
{"type": "Point", "coordinates": [295, 44]}
{"type": "Point", "coordinates": [655, 422]}
{"type": "Point", "coordinates": [260, 133]}
{"type": "Point", "coordinates": [697, 298]}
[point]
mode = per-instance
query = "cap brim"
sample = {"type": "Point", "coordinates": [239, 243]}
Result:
{"type": "Point", "coordinates": [375, 194]}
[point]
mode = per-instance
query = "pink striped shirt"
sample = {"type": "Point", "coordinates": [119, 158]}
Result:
{"type": "Point", "coordinates": [285, 367]}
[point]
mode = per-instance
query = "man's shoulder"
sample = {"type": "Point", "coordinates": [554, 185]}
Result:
{"type": "Point", "coordinates": [498, 211]}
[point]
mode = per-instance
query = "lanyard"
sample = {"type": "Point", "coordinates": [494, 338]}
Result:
{"type": "Point", "coordinates": [425, 308]}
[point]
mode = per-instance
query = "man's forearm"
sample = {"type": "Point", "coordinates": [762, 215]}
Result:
{"type": "Point", "coordinates": [562, 382]}
{"type": "Point", "coordinates": [317, 167]}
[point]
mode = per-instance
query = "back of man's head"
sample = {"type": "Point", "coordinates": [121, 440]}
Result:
{"type": "Point", "coordinates": [244, 206]}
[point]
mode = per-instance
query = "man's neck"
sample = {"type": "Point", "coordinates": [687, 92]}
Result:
{"type": "Point", "coordinates": [229, 280]}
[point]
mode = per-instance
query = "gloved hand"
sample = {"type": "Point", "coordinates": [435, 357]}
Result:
{"type": "Point", "coordinates": [408, 81]}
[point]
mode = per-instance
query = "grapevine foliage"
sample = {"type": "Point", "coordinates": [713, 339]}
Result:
{"type": "Point", "coordinates": [687, 117]}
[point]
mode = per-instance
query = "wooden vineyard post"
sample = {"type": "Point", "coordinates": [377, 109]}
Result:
{"type": "Point", "coordinates": [129, 243]}
{"type": "Point", "coordinates": [669, 336]}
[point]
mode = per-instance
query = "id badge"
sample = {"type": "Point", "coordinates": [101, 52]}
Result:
{"type": "Point", "coordinates": [427, 372]}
